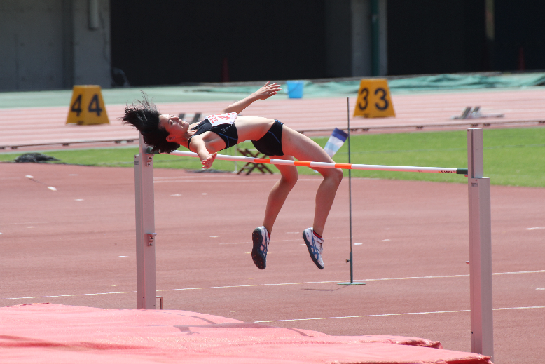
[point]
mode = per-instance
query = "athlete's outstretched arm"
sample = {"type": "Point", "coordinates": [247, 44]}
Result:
{"type": "Point", "coordinates": [198, 145]}
{"type": "Point", "coordinates": [268, 90]}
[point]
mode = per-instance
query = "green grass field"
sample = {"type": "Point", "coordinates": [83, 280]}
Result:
{"type": "Point", "coordinates": [512, 157]}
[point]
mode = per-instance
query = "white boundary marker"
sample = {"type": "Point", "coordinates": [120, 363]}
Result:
{"type": "Point", "coordinates": [480, 252]}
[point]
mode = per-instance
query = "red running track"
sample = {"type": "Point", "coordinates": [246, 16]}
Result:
{"type": "Point", "coordinates": [76, 246]}
{"type": "Point", "coordinates": [431, 111]}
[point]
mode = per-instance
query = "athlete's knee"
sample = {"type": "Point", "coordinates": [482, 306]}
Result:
{"type": "Point", "coordinates": [289, 176]}
{"type": "Point", "coordinates": [289, 179]}
{"type": "Point", "coordinates": [336, 175]}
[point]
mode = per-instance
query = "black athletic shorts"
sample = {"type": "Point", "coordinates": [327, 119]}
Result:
{"type": "Point", "coordinates": [271, 143]}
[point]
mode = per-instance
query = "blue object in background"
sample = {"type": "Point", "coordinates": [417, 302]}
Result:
{"type": "Point", "coordinates": [295, 89]}
{"type": "Point", "coordinates": [335, 142]}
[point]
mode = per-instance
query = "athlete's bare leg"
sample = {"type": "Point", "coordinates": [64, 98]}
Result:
{"type": "Point", "coordinates": [305, 149]}
{"type": "Point", "coordinates": [279, 193]}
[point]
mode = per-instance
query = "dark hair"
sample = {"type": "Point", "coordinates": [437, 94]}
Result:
{"type": "Point", "coordinates": [145, 117]}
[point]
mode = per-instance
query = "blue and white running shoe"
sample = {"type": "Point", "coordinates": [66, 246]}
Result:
{"type": "Point", "coordinates": [314, 245]}
{"type": "Point", "coordinates": [260, 238]}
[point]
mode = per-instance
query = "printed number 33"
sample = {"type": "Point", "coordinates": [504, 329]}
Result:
{"type": "Point", "coordinates": [382, 105]}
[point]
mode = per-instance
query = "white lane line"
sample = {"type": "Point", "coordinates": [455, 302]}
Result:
{"type": "Point", "coordinates": [63, 295]}
{"type": "Point", "coordinates": [285, 284]}
{"type": "Point", "coordinates": [183, 289]}
{"type": "Point", "coordinates": [305, 319]}
{"type": "Point", "coordinates": [518, 308]}
{"type": "Point", "coordinates": [396, 314]}
{"type": "Point", "coordinates": [96, 294]}
{"type": "Point", "coordinates": [521, 272]}
{"type": "Point", "coordinates": [279, 284]}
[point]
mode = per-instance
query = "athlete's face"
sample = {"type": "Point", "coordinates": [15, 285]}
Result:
{"type": "Point", "coordinates": [175, 127]}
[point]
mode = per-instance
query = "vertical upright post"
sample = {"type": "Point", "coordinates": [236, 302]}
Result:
{"type": "Point", "coordinates": [480, 247]}
{"type": "Point", "coordinates": [145, 229]}
{"type": "Point", "coordinates": [350, 200]}
{"type": "Point", "coordinates": [350, 189]}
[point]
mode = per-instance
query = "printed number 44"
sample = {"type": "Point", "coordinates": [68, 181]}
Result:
{"type": "Point", "coordinates": [94, 106]}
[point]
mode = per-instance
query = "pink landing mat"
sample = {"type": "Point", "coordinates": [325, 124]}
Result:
{"type": "Point", "coordinates": [47, 333]}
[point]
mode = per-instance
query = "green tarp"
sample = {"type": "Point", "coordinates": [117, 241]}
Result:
{"type": "Point", "coordinates": [405, 85]}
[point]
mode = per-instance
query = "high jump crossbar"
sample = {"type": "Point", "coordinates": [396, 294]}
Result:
{"type": "Point", "coordinates": [287, 162]}
{"type": "Point", "coordinates": [480, 256]}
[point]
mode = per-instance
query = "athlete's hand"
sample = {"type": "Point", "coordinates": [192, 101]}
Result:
{"type": "Point", "coordinates": [207, 163]}
{"type": "Point", "coordinates": [268, 90]}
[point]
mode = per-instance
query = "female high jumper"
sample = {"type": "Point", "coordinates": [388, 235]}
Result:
{"type": "Point", "coordinates": [166, 133]}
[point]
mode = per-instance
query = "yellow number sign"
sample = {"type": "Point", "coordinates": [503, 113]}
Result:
{"type": "Point", "coordinates": [87, 106]}
{"type": "Point", "coordinates": [374, 99]}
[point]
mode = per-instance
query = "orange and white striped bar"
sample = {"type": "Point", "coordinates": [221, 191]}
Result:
{"type": "Point", "coordinates": [365, 167]}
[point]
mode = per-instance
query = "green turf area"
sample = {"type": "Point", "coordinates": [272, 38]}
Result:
{"type": "Point", "coordinates": [513, 157]}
